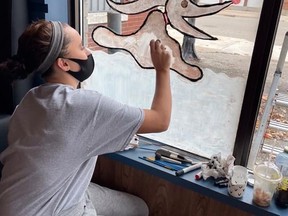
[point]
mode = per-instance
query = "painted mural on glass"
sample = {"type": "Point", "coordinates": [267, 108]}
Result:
{"type": "Point", "coordinates": [205, 111]}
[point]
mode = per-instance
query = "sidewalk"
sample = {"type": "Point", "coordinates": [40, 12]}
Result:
{"type": "Point", "coordinates": [233, 45]}
{"type": "Point", "coordinates": [244, 47]}
{"type": "Point", "coordinates": [240, 11]}
{"type": "Point", "coordinates": [248, 12]}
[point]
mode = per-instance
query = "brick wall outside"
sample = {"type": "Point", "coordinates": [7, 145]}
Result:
{"type": "Point", "coordinates": [285, 6]}
{"type": "Point", "coordinates": [91, 44]}
{"type": "Point", "coordinates": [131, 25]}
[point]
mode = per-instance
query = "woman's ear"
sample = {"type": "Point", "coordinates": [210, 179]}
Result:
{"type": "Point", "coordinates": [62, 64]}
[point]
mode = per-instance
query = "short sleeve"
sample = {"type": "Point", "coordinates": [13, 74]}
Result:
{"type": "Point", "coordinates": [105, 125]}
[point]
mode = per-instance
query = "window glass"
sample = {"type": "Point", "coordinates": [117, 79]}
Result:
{"type": "Point", "coordinates": [271, 130]}
{"type": "Point", "coordinates": [205, 113]}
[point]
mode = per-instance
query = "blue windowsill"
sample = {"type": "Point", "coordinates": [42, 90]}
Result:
{"type": "Point", "coordinates": [205, 187]}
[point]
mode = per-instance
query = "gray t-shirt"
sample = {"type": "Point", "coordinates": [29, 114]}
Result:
{"type": "Point", "coordinates": [55, 134]}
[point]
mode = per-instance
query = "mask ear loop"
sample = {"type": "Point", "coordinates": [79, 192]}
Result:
{"type": "Point", "coordinates": [56, 45]}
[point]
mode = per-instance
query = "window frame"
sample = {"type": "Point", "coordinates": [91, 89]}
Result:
{"type": "Point", "coordinates": [261, 55]}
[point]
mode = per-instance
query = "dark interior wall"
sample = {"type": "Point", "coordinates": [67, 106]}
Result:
{"type": "Point", "coordinates": [5, 23]}
{"type": "Point", "coordinates": [15, 16]}
{"type": "Point", "coordinates": [5, 51]}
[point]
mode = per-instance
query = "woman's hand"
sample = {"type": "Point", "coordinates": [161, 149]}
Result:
{"type": "Point", "coordinates": [161, 58]}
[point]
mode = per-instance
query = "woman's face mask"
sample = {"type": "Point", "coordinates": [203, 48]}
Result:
{"type": "Point", "coordinates": [86, 68]}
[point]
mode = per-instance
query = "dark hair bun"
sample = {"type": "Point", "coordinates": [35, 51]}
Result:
{"type": "Point", "coordinates": [13, 69]}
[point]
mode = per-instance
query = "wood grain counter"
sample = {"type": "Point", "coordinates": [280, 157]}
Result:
{"type": "Point", "coordinates": [167, 194]}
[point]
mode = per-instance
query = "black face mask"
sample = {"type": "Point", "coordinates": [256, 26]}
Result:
{"type": "Point", "coordinates": [86, 68]}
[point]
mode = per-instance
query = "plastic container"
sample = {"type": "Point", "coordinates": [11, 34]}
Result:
{"type": "Point", "coordinates": [281, 194]}
{"type": "Point", "coordinates": [281, 162]}
{"type": "Point", "coordinates": [267, 176]}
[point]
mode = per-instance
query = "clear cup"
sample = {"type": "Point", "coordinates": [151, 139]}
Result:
{"type": "Point", "coordinates": [267, 176]}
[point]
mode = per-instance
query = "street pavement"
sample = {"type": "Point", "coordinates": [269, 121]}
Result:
{"type": "Point", "coordinates": [235, 28]}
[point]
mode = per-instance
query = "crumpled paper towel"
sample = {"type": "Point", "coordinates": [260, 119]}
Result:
{"type": "Point", "coordinates": [217, 167]}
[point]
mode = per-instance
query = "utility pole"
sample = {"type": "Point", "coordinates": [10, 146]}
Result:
{"type": "Point", "coordinates": [188, 45]}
